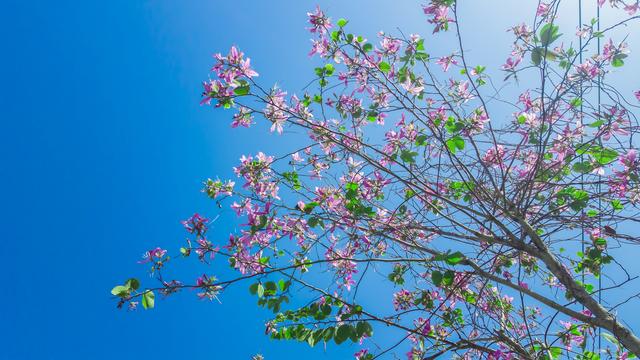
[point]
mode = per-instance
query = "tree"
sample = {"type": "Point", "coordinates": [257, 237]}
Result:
{"type": "Point", "coordinates": [495, 232]}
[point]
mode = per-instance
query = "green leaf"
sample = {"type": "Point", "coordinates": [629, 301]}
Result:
{"type": "Point", "coordinates": [384, 66]}
{"type": "Point", "coordinates": [617, 205]}
{"type": "Point", "coordinates": [260, 290]}
{"type": "Point", "coordinates": [583, 167]}
{"type": "Point", "coordinates": [342, 22]}
{"type": "Point", "coordinates": [132, 283]}
{"type": "Point", "coordinates": [549, 34]}
{"type": "Point", "coordinates": [148, 299]}
{"type": "Point", "coordinates": [436, 277]}
{"type": "Point", "coordinates": [555, 352]}
{"type": "Point", "coordinates": [408, 156]}
{"type": "Point", "coordinates": [536, 56]}
{"type": "Point", "coordinates": [253, 289]}
{"type": "Point", "coordinates": [241, 90]}
{"type": "Point", "coordinates": [596, 123]}
{"type": "Point", "coordinates": [603, 156]}
{"type": "Point", "coordinates": [453, 126]}
{"type": "Point", "coordinates": [326, 309]}
{"type": "Point", "coordinates": [421, 140]}
{"type": "Point", "coordinates": [342, 333]}
{"type": "Point", "coordinates": [617, 60]}
{"type": "Point", "coordinates": [455, 258]}
{"type": "Point", "coordinates": [270, 287]}
{"type": "Point", "coordinates": [120, 290]}
{"type": "Point", "coordinates": [576, 102]}
{"type": "Point", "coordinates": [367, 47]}
{"type": "Point", "coordinates": [455, 143]}
{"type": "Point", "coordinates": [283, 285]}
{"type": "Point", "coordinates": [364, 328]}
{"type": "Point", "coordinates": [447, 278]}
{"type": "Point", "coordinates": [329, 69]}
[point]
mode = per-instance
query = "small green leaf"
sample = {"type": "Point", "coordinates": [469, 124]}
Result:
{"type": "Point", "coordinates": [241, 90]}
{"type": "Point", "coordinates": [342, 22]}
{"type": "Point", "coordinates": [132, 283]}
{"type": "Point", "coordinates": [617, 60]}
{"type": "Point", "coordinates": [455, 258]}
{"type": "Point", "coordinates": [384, 66]}
{"type": "Point", "coordinates": [329, 69]}
{"type": "Point", "coordinates": [283, 285]}
{"type": "Point", "coordinates": [536, 56]}
{"type": "Point", "coordinates": [148, 299]}
{"type": "Point", "coordinates": [253, 289]}
{"type": "Point", "coordinates": [447, 278]}
{"type": "Point", "coordinates": [582, 167]}
{"type": "Point", "coordinates": [455, 143]}
{"type": "Point", "coordinates": [604, 156]}
{"type": "Point", "coordinates": [596, 123]}
{"type": "Point", "coordinates": [408, 156]}
{"type": "Point", "coordinates": [555, 352]}
{"type": "Point", "coordinates": [617, 205]}
{"type": "Point", "coordinates": [549, 34]}
{"type": "Point", "coordinates": [364, 328]}
{"type": "Point", "coordinates": [270, 287]}
{"type": "Point", "coordinates": [436, 277]}
{"type": "Point", "coordinates": [342, 333]}
{"type": "Point", "coordinates": [576, 102]}
{"type": "Point", "coordinates": [120, 291]}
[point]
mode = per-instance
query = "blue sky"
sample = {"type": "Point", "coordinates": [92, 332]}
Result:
{"type": "Point", "coordinates": [104, 148]}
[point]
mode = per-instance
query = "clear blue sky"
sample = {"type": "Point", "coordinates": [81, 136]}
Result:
{"type": "Point", "coordinates": [103, 148]}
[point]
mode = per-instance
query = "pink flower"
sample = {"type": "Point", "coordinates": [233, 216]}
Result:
{"type": "Point", "coordinates": [360, 355]}
{"type": "Point", "coordinates": [295, 157]}
{"type": "Point", "coordinates": [242, 118]}
{"type": "Point", "coordinates": [619, 123]}
{"type": "Point", "coordinates": [380, 118]}
{"type": "Point", "coordinates": [215, 188]}
{"type": "Point", "coordinates": [446, 62]}
{"type": "Point", "coordinates": [319, 22]}
{"type": "Point", "coordinates": [440, 16]}
{"type": "Point", "coordinates": [196, 224]}
{"type": "Point", "coordinates": [543, 10]}
{"type": "Point", "coordinates": [245, 66]}
{"type": "Point", "coordinates": [494, 156]}
{"type": "Point", "coordinates": [153, 255]}
{"type": "Point", "coordinates": [423, 325]}
{"type": "Point", "coordinates": [208, 288]}
{"type": "Point", "coordinates": [390, 45]}
{"type": "Point", "coordinates": [521, 31]}
{"type": "Point", "coordinates": [632, 9]}
{"type": "Point", "coordinates": [414, 89]}
{"type": "Point", "coordinates": [611, 50]}
{"type": "Point", "coordinates": [628, 160]}
{"type": "Point", "coordinates": [511, 63]}
{"type": "Point", "coordinates": [278, 125]}
{"type": "Point", "coordinates": [587, 69]}
{"type": "Point", "coordinates": [320, 47]}
{"type": "Point", "coordinates": [460, 90]}
{"type": "Point", "coordinates": [637, 94]}
{"type": "Point", "coordinates": [402, 300]}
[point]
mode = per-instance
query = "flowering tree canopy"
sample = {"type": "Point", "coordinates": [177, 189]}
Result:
{"type": "Point", "coordinates": [494, 231]}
